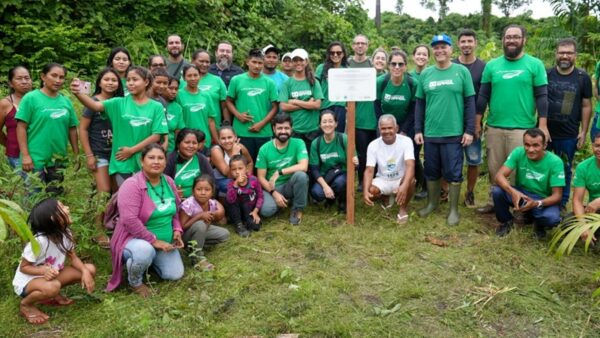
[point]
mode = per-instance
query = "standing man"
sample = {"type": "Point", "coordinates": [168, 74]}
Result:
{"type": "Point", "coordinates": [366, 120]}
{"type": "Point", "coordinates": [281, 170]}
{"type": "Point", "coordinates": [515, 85]}
{"type": "Point", "coordinates": [252, 99]}
{"type": "Point", "coordinates": [467, 43]}
{"type": "Point", "coordinates": [270, 69]}
{"type": "Point", "coordinates": [287, 66]}
{"type": "Point", "coordinates": [395, 159]}
{"type": "Point", "coordinates": [540, 179]}
{"type": "Point", "coordinates": [444, 122]}
{"type": "Point", "coordinates": [223, 66]}
{"type": "Point", "coordinates": [569, 106]}
{"type": "Point", "coordinates": [175, 61]}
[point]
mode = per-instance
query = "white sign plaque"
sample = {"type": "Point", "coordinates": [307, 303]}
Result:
{"type": "Point", "coordinates": [352, 84]}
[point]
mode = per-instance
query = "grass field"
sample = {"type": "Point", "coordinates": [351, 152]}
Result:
{"type": "Point", "coordinates": [328, 279]}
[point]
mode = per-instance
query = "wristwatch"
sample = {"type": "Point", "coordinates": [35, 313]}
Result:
{"type": "Point", "coordinates": [280, 172]}
{"type": "Point", "coordinates": [540, 204]}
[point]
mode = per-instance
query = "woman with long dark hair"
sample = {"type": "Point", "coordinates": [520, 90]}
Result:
{"type": "Point", "coordinates": [336, 57]}
{"type": "Point", "coordinates": [19, 84]}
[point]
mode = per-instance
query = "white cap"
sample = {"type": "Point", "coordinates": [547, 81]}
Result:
{"type": "Point", "coordinates": [270, 47]}
{"type": "Point", "coordinates": [300, 53]}
{"type": "Point", "coordinates": [286, 55]}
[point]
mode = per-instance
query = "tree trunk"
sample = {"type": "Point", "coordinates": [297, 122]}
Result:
{"type": "Point", "coordinates": [486, 15]}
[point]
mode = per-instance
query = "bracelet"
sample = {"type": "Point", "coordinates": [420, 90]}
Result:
{"type": "Point", "coordinates": [280, 172]}
{"type": "Point", "coordinates": [89, 155]}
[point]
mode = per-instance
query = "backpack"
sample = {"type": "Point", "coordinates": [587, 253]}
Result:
{"type": "Point", "coordinates": [409, 80]}
{"type": "Point", "coordinates": [111, 214]}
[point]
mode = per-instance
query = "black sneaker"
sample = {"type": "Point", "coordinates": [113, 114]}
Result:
{"type": "Point", "coordinates": [241, 230]}
{"type": "Point", "coordinates": [504, 229]}
{"type": "Point", "coordinates": [469, 199]}
{"type": "Point", "coordinates": [539, 232]}
{"type": "Point", "coordinates": [342, 207]}
{"type": "Point", "coordinates": [251, 226]}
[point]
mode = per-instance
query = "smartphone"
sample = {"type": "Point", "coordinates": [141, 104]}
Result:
{"type": "Point", "coordinates": [86, 87]}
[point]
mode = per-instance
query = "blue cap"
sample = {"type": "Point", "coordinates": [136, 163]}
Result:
{"type": "Point", "coordinates": [442, 38]}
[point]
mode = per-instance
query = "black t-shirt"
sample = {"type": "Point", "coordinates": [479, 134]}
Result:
{"type": "Point", "coordinates": [476, 70]}
{"type": "Point", "coordinates": [225, 74]}
{"type": "Point", "coordinates": [100, 133]}
{"type": "Point", "coordinates": [565, 93]}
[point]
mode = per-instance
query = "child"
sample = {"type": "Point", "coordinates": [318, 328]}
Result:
{"type": "Point", "coordinates": [244, 197]}
{"type": "Point", "coordinates": [198, 215]}
{"type": "Point", "coordinates": [39, 278]}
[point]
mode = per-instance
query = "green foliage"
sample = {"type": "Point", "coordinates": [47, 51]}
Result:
{"type": "Point", "coordinates": [508, 6]}
{"type": "Point", "coordinates": [570, 233]}
{"type": "Point", "coordinates": [12, 214]}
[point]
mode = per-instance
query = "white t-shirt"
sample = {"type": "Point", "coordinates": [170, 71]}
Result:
{"type": "Point", "coordinates": [390, 158]}
{"type": "Point", "coordinates": [49, 254]}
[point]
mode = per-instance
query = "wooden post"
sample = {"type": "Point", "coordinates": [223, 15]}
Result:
{"type": "Point", "coordinates": [351, 132]}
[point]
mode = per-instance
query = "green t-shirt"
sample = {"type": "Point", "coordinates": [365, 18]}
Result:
{"type": "Point", "coordinates": [325, 103]}
{"type": "Point", "coordinates": [273, 159]}
{"type": "Point", "coordinates": [185, 178]}
{"type": "Point", "coordinates": [596, 77]}
{"type": "Point", "coordinates": [396, 99]}
{"type": "Point", "coordinates": [304, 120]}
{"type": "Point", "coordinates": [538, 177]}
{"type": "Point", "coordinates": [254, 96]}
{"type": "Point", "coordinates": [48, 121]}
{"type": "Point", "coordinates": [132, 123]}
{"type": "Point", "coordinates": [332, 154]}
{"type": "Point", "coordinates": [196, 110]}
{"type": "Point", "coordinates": [174, 122]}
{"type": "Point", "coordinates": [587, 175]}
{"type": "Point", "coordinates": [512, 104]}
{"type": "Point", "coordinates": [160, 222]}
{"type": "Point", "coordinates": [217, 92]}
{"type": "Point", "coordinates": [444, 91]}
{"type": "Point", "coordinates": [125, 90]}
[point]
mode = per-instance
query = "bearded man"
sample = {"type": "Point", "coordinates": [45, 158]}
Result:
{"type": "Point", "coordinates": [223, 66]}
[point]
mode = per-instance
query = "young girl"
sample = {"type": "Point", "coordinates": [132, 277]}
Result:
{"type": "Point", "coordinates": [119, 59]}
{"type": "Point", "coordinates": [244, 197]}
{"type": "Point", "coordinates": [136, 119]}
{"type": "Point", "coordinates": [221, 154]}
{"type": "Point", "coordinates": [174, 112]}
{"type": "Point", "coordinates": [160, 82]}
{"type": "Point", "coordinates": [198, 215]}
{"type": "Point", "coordinates": [38, 279]}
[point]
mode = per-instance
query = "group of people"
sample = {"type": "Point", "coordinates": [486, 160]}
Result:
{"type": "Point", "coordinates": [188, 146]}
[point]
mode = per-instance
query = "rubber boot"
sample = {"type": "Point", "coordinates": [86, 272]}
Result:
{"type": "Point", "coordinates": [453, 196]}
{"type": "Point", "coordinates": [433, 198]}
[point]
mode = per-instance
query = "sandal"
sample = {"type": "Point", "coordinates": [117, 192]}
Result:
{"type": "Point", "coordinates": [402, 219]}
{"type": "Point", "coordinates": [103, 241]}
{"type": "Point", "coordinates": [59, 300]}
{"type": "Point", "coordinates": [204, 265]}
{"type": "Point", "coordinates": [34, 317]}
{"type": "Point", "coordinates": [142, 290]}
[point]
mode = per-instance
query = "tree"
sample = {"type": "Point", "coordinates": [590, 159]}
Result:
{"type": "Point", "coordinates": [399, 6]}
{"type": "Point", "coordinates": [440, 5]}
{"type": "Point", "coordinates": [486, 16]}
{"type": "Point", "coordinates": [508, 6]}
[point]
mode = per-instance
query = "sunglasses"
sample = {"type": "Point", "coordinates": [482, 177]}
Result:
{"type": "Point", "coordinates": [340, 53]}
{"type": "Point", "coordinates": [397, 64]}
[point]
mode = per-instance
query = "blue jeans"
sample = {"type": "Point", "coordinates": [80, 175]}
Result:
{"type": "Point", "coordinates": [338, 186]}
{"type": "Point", "coordinates": [139, 255]}
{"type": "Point", "coordinates": [222, 184]}
{"type": "Point", "coordinates": [565, 149]}
{"type": "Point", "coordinates": [546, 216]}
{"type": "Point", "coordinates": [593, 128]}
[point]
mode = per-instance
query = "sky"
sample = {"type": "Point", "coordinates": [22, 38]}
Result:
{"type": "Point", "coordinates": [539, 8]}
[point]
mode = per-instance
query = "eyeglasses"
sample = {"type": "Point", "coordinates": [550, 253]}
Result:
{"type": "Point", "coordinates": [338, 53]}
{"type": "Point", "coordinates": [565, 53]}
{"type": "Point", "coordinates": [397, 64]}
{"type": "Point", "coordinates": [359, 43]}
{"type": "Point", "coordinates": [513, 37]}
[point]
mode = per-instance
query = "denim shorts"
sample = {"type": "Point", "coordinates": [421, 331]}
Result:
{"type": "Point", "coordinates": [101, 162]}
{"type": "Point", "coordinates": [473, 153]}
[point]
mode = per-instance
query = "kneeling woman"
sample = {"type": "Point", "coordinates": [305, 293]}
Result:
{"type": "Point", "coordinates": [148, 232]}
{"type": "Point", "coordinates": [327, 162]}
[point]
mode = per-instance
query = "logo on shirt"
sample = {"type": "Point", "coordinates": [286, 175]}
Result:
{"type": "Point", "coordinates": [189, 174]}
{"type": "Point", "coordinates": [507, 75]}
{"type": "Point", "coordinates": [325, 157]}
{"type": "Point", "coordinates": [197, 107]}
{"type": "Point", "coordinates": [204, 88]}
{"type": "Point", "coordinates": [137, 121]}
{"type": "Point", "coordinates": [434, 84]}
{"type": "Point", "coordinates": [57, 113]}
{"type": "Point", "coordinates": [389, 97]}
{"type": "Point", "coordinates": [170, 117]}
{"type": "Point", "coordinates": [297, 94]}
{"type": "Point", "coordinates": [255, 91]}
{"type": "Point", "coordinates": [532, 175]}
{"type": "Point", "coordinates": [164, 206]}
